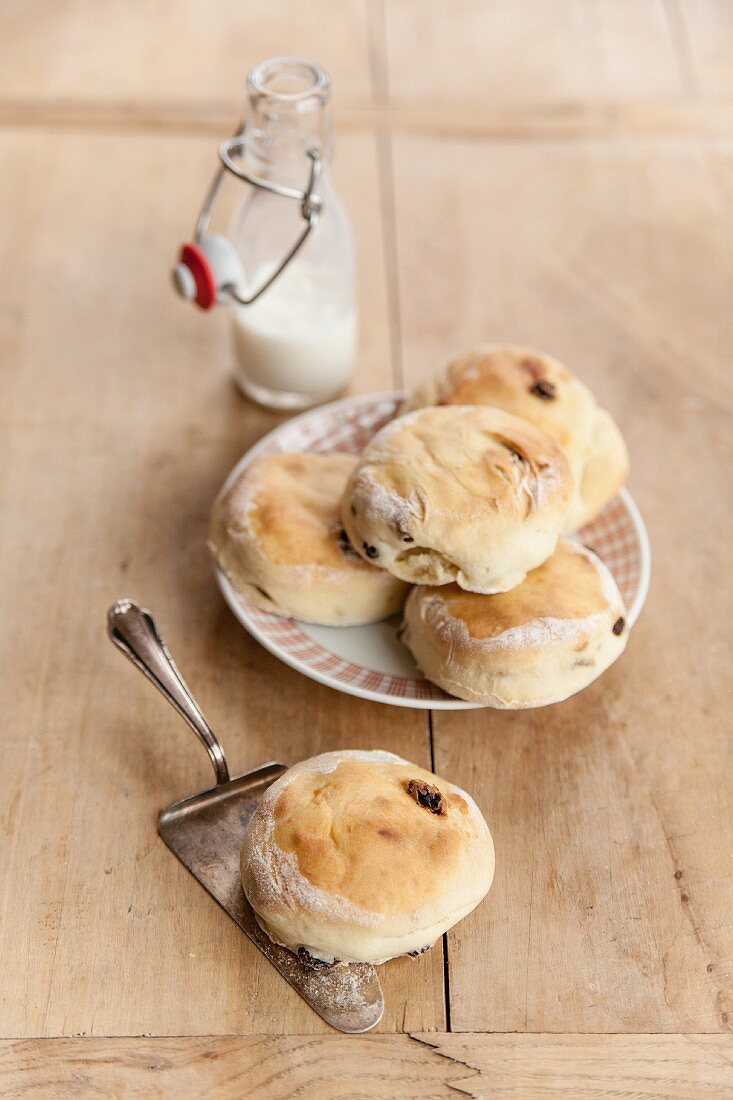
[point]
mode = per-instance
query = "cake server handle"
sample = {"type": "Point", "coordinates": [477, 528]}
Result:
{"type": "Point", "coordinates": [132, 629]}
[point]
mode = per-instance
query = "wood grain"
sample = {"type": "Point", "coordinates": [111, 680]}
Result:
{"type": "Point", "coordinates": [324, 1068]}
{"type": "Point", "coordinates": [567, 121]}
{"type": "Point", "coordinates": [585, 1067]}
{"type": "Point", "coordinates": [432, 1066]}
{"type": "Point", "coordinates": [121, 423]}
{"type": "Point", "coordinates": [557, 173]}
{"type": "Point", "coordinates": [175, 51]}
{"type": "Point", "coordinates": [612, 901]}
{"type": "Point", "coordinates": [471, 53]}
{"type": "Point", "coordinates": [705, 31]}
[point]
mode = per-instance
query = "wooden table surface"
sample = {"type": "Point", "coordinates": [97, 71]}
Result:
{"type": "Point", "coordinates": [556, 172]}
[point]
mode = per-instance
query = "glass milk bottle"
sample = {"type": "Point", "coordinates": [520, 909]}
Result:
{"type": "Point", "coordinates": [295, 343]}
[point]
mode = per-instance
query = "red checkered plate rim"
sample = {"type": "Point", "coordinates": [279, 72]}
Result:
{"type": "Point", "coordinates": [369, 661]}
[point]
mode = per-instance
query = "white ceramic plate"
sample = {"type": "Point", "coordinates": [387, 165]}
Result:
{"type": "Point", "coordinates": [369, 661]}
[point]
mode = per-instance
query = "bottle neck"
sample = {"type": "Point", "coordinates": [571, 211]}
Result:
{"type": "Point", "coordinates": [288, 113]}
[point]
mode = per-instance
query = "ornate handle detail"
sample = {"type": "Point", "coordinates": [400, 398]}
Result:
{"type": "Point", "coordinates": [132, 629]}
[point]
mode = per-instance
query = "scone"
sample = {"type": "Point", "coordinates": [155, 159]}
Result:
{"type": "Point", "coordinates": [361, 856]}
{"type": "Point", "coordinates": [276, 534]}
{"type": "Point", "coordinates": [537, 387]}
{"type": "Point", "coordinates": [538, 644]}
{"type": "Point", "coordinates": [458, 493]}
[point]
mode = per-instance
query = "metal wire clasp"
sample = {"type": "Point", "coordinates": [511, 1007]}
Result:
{"type": "Point", "coordinates": [311, 206]}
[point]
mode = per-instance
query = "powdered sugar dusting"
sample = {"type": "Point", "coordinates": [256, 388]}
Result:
{"type": "Point", "coordinates": [549, 483]}
{"type": "Point", "coordinates": [618, 534]}
{"type": "Point", "coordinates": [329, 761]}
{"type": "Point", "coordinates": [344, 986]}
{"type": "Point", "coordinates": [242, 499]}
{"type": "Point", "coordinates": [537, 633]}
{"type": "Point", "coordinates": [533, 634]}
{"type": "Point", "coordinates": [384, 504]}
{"type": "Point", "coordinates": [277, 873]}
{"type": "Point", "coordinates": [540, 479]}
{"type": "Point", "coordinates": [295, 891]}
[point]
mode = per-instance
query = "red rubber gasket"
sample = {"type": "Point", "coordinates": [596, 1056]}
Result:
{"type": "Point", "coordinates": [198, 265]}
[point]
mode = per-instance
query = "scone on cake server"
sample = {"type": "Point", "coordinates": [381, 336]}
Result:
{"type": "Point", "coordinates": [469, 494]}
{"type": "Point", "coordinates": [539, 388]}
{"type": "Point", "coordinates": [538, 644]}
{"type": "Point", "coordinates": [277, 536]}
{"type": "Point", "coordinates": [360, 856]}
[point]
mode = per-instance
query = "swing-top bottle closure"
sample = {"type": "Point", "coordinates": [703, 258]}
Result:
{"type": "Point", "coordinates": [208, 270]}
{"type": "Point", "coordinates": [290, 291]}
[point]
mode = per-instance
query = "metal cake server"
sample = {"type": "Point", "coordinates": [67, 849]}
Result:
{"type": "Point", "coordinates": [206, 833]}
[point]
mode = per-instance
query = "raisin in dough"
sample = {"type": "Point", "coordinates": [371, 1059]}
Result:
{"type": "Point", "coordinates": [361, 856]}
{"type": "Point", "coordinates": [276, 534]}
{"type": "Point", "coordinates": [537, 387]}
{"type": "Point", "coordinates": [458, 493]}
{"type": "Point", "coordinates": [543, 641]}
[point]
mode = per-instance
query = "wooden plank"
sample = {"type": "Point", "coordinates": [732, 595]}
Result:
{"type": "Point", "coordinates": [612, 901]}
{"type": "Point", "coordinates": [175, 51]}
{"type": "Point", "coordinates": [323, 1067]}
{"type": "Point", "coordinates": [573, 248]}
{"type": "Point", "coordinates": [706, 43]}
{"type": "Point", "coordinates": [576, 1067]}
{"type": "Point", "coordinates": [611, 909]}
{"type": "Point", "coordinates": [119, 423]}
{"type": "Point", "coordinates": [582, 1067]}
{"type": "Point", "coordinates": [471, 53]}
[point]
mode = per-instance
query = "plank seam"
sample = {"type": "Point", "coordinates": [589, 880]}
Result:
{"type": "Point", "coordinates": [601, 120]}
{"type": "Point", "coordinates": [690, 1036]}
{"type": "Point", "coordinates": [462, 1087]}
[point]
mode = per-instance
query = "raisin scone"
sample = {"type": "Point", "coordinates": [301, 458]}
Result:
{"type": "Point", "coordinates": [538, 644]}
{"type": "Point", "coordinates": [359, 856]}
{"type": "Point", "coordinates": [458, 493]}
{"type": "Point", "coordinates": [277, 536]}
{"type": "Point", "coordinates": [539, 388]}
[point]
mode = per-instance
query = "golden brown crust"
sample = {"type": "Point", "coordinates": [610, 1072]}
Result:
{"type": "Point", "coordinates": [343, 859]}
{"type": "Point", "coordinates": [525, 382]}
{"type": "Point", "coordinates": [289, 502]}
{"type": "Point", "coordinates": [537, 387]}
{"type": "Point", "coordinates": [465, 493]}
{"type": "Point", "coordinates": [566, 586]}
{"type": "Point", "coordinates": [545, 640]}
{"type": "Point", "coordinates": [291, 509]}
{"type": "Point", "coordinates": [348, 827]}
{"type": "Point", "coordinates": [277, 535]}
